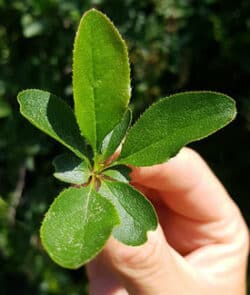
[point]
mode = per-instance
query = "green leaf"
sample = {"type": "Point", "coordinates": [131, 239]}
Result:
{"type": "Point", "coordinates": [53, 116]}
{"type": "Point", "coordinates": [114, 138]}
{"type": "Point", "coordinates": [174, 122]}
{"type": "Point", "coordinates": [71, 169]}
{"type": "Point", "coordinates": [119, 173]}
{"type": "Point", "coordinates": [136, 212]}
{"type": "Point", "coordinates": [77, 226]}
{"type": "Point", "coordinates": [101, 77]}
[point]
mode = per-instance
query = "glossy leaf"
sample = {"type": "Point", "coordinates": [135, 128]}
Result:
{"type": "Point", "coordinates": [174, 122]}
{"type": "Point", "coordinates": [53, 116]}
{"type": "Point", "coordinates": [136, 212]}
{"type": "Point", "coordinates": [101, 77]}
{"type": "Point", "coordinates": [77, 225]}
{"type": "Point", "coordinates": [71, 169]}
{"type": "Point", "coordinates": [118, 173]}
{"type": "Point", "coordinates": [114, 138]}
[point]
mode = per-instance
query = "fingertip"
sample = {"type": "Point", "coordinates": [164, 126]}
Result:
{"type": "Point", "coordinates": [167, 176]}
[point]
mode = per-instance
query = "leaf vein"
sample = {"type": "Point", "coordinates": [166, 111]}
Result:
{"type": "Point", "coordinates": [93, 83]}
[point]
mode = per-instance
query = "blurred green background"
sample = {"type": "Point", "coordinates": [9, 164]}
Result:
{"type": "Point", "coordinates": [174, 45]}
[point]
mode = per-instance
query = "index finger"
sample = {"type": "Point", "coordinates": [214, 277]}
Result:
{"type": "Point", "coordinates": [188, 186]}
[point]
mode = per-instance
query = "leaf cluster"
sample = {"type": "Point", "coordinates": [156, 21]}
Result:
{"type": "Point", "coordinates": [100, 202]}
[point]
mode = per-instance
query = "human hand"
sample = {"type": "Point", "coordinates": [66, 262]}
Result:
{"type": "Point", "coordinates": [200, 247]}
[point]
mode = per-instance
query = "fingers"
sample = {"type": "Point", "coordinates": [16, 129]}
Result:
{"type": "Point", "coordinates": [187, 186]}
{"type": "Point", "coordinates": [153, 268]}
{"type": "Point", "coordinates": [202, 221]}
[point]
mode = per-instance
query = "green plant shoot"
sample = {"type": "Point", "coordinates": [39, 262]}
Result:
{"type": "Point", "coordinates": [100, 201]}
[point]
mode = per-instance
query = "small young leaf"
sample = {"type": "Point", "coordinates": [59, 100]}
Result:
{"type": "Point", "coordinates": [119, 173]}
{"type": "Point", "coordinates": [114, 138]}
{"type": "Point", "coordinates": [174, 122]}
{"type": "Point", "coordinates": [53, 116]}
{"type": "Point", "coordinates": [77, 225]}
{"type": "Point", "coordinates": [101, 77]}
{"type": "Point", "coordinates": [136, 212]}
{"type": "Point", "coordinates": [71, 169]}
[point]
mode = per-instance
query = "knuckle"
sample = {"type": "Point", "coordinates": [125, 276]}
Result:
{"type": "Point", "coordinates": [142, 257]}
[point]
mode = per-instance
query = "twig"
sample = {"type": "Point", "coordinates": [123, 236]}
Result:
{"type": "Point", "coordinates": [17, 194]}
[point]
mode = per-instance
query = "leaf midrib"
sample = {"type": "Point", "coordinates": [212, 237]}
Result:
{"type": "Point", "coordinates": [85, 209]}
{"type": "Point", "coordinates": [93, 83]}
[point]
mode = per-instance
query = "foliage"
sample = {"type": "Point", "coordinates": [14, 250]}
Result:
{"type": "Point", "coordinates": [81, 219]}
{"type": "Point", "coordinates": [173, 45]}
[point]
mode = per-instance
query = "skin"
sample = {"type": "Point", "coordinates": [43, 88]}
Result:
{"type": "Point", "coordinates": [200, 247]}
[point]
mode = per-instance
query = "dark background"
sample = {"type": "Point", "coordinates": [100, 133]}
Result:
{"type": "Point", "coordinates": [174, 46]}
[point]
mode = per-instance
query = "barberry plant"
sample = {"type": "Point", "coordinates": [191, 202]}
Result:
{"type": "Point", "coordinates": [100, 201]}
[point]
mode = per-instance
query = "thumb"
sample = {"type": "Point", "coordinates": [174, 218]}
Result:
{"type": "Point", "coordinates": [153, 268]}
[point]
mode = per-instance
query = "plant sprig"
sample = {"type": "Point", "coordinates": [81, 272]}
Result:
{"type": "Point", "coordinates": [100, 201]}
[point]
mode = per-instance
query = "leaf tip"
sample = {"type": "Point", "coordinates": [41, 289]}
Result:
{"type": "Point", "coordinates": [21, 95]}
{"type": "Point", "coordinates": [93, 12]}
